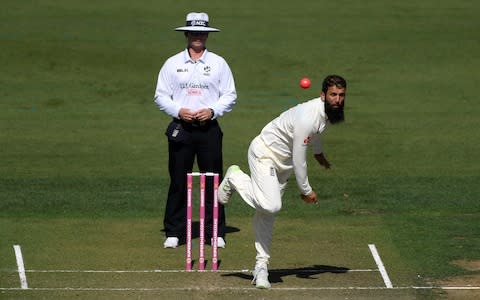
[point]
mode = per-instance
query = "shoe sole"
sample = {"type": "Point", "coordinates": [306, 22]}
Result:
{"type": "Point", "coordinates": [263, 287]}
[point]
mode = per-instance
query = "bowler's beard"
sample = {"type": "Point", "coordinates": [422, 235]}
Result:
{"type": "Point", "coordinates": [334, 113]}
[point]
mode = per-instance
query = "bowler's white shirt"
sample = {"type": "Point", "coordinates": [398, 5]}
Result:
{"type": "Point", "coordinates": [205, 83]}
{"type": "Point", "coordinates": [289, 134]}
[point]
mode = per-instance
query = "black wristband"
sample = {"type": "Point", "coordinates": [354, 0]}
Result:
{"type": "Point", "coordinates": [213, 113]}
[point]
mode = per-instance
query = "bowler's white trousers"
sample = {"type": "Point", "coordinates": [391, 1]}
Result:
{"type": "Point", "coordinates": [263, 190]}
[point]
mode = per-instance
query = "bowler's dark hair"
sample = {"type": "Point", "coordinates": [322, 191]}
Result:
{"type": "Point", "coordinates": [332, 80]}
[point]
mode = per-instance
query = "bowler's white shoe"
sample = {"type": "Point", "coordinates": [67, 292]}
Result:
{"type": "Point", "coordinates": [225, 190]}
{"type": "Point", "coordinates": [260, 277]}
{"type": "Point", "coordinates": [171, 242]}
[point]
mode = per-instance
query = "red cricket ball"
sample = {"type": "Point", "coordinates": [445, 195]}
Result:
{"type": "Point", "coordinates": [305, 83]}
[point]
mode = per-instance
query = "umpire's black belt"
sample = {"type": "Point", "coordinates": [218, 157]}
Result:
{"type": "Point", "coordinates": [196, 124]}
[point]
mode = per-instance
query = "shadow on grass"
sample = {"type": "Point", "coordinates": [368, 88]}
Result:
{"type": "Point", "coordinates": [276, 275]}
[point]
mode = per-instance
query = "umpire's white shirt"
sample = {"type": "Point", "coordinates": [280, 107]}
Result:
{"type": "Point", "coordinates": [207, 82]}
{"type": "Point", "coordinates": [289, 134]}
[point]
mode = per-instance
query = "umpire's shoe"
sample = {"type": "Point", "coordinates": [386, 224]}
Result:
{"type": "Point", "coordinates": [171, 242]}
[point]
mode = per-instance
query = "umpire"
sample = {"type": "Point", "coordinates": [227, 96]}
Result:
{"type": "Point", "coordinates": [195, 87]}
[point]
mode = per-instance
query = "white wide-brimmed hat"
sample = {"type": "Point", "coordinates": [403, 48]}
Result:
{"type": "Point", "coordinates": [197, 22]}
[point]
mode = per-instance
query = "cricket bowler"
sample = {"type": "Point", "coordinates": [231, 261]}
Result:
{"type": "Point", "coordinates": [274, 155]}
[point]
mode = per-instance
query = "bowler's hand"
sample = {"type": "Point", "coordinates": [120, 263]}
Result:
{"type": "Point", "coordinates": [310, 198]}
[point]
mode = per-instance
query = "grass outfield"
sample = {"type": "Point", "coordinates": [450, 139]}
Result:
{"type": "Point", "coordinates": [83, 158]}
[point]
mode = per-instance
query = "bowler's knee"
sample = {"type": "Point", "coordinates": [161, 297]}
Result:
{"type": "Point", "coordinates": [268, 202]}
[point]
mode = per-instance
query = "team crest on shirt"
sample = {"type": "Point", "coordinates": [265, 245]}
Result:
{"type": "Point", "coordinates": [306, 141]}
{"type": "Point", "coordinates": [206, 70]}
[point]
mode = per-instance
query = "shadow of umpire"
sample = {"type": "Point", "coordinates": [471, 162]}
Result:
{"type": "Point", "coordinates": [276, 275]}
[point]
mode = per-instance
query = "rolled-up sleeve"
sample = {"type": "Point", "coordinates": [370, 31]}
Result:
{"type": "Point", "coordinates": [316, 143]}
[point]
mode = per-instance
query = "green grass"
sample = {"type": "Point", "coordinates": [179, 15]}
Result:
{"type": "Point", "coordinates": [83, 143]}
{"type": "Point", "coordinates": [116, 244]}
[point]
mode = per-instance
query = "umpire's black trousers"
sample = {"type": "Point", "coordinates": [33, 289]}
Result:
{"type": "Point", "coordinates": [203, 142]}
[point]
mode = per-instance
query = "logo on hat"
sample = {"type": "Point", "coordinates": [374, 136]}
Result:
{"type": "Point", "coordinates": [197, 22]}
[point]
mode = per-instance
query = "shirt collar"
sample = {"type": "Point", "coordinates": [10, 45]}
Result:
{"type": "Point", "coordinates": [186, 56]}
